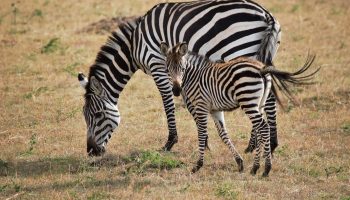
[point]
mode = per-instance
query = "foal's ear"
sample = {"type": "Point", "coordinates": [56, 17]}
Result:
{"type": "Point", "coordinates": [164, 48]}
{"type": "Point", "coordinates": [82, 80]}
{"type": "Point", "coordinates": [183, 48]}
{"type": "Point", "coordinates": [96, 86]}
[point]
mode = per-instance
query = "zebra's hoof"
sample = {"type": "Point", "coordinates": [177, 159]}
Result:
{"type": "Point", "coordinates": [264, 175]}
{"type": "Point", "coordinates": [170, 143]}
{"type": "Point", "coordinates": [240, 164]}
{"type": "Point", "coordinates": [249, 149]}
{"type": "Point", "coordinates": [198, 166]}
{"type": "Point", "coordinates": [254, 169]}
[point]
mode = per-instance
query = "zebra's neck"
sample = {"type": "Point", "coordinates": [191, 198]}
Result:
{"type": "Point", "coordinates": [114, 65]}
{"type": "Point", "coordinates": [195, 66]}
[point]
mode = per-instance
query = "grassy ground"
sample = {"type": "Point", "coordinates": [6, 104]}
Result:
{"type": "Point", "coordinates": [42, 130]}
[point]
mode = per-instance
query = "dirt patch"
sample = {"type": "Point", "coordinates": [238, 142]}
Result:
{"type": "Point", "coordinates": [106, 26]}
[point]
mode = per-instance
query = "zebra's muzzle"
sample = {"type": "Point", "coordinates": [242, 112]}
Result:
{"type": "Point", "coordinates": [176, 90]}
{"type": "Point", "coordinates": [93, 149]}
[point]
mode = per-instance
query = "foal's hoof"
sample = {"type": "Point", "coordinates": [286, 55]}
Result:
{"type": "Point", "coordinates": [254, 169]}
{"type": "Point", "coordinates": [249, 149]}
{"type": "Point", "coordinates": [195, 169]}
{"type": "Point", "coordinates": [264, 175]}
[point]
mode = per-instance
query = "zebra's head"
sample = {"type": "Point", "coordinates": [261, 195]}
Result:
{"type": "Point", "coordinates": [174, 64]}
{"type": "Point", "coordinates": [101, 115]}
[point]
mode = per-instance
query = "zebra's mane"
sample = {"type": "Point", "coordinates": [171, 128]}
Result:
{"type": "Point", "coordinates": [126, 28]}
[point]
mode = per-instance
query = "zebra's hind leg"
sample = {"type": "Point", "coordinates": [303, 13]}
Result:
{"type": "Point", "coordinates": [270, 110]}
{"type": "Point", "coordinates": [219, 121]}
{"type": "Point", "coordinates": [261, 129]}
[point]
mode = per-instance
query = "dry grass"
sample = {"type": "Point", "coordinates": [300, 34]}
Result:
{"type": "Point", "coordinates": [42, 129]}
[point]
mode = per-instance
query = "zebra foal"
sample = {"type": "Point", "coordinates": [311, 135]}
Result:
{"type": "Point", "coordinates": [209, 88]}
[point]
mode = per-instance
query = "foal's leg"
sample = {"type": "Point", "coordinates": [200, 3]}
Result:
{"type": "Point", "coordinates": [201, 119]}
{"type": "Point", "coordinates": [270, 110]}
{"type": "Point", "coordinates": [219, 121]}
{"type": "Point", "coordinates": [262, 131]}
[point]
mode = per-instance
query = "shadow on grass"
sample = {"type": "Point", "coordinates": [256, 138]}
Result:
{"type": "Point", "coordinates": [139, 161]}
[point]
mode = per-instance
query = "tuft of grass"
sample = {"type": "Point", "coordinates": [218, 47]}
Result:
{"type": "Point", "coordinates": [226, 191]}
{"type": "Point", "coordinates": [346, 128]}
{"type": "Point", "coordinates": [139, 185]}
{"type": "Point", "coordinates": [70, 69]}
{"type": "Point", "coordinates": [295, 8]}
{"type": "Point", "coordinates": [51, 46]}
{"type": "Point", "coordinates": [36, 92]}
{"type": "Point", "coordinates": [282, 151]}
{"type": "Point", "coordinates": [32, 143]}
{"type": "Point", "coordinates": [37, 13]}
{"type": "Point", "coordinates": [152, 159]}
{"type": "Point", "coordinates": [333, 170]}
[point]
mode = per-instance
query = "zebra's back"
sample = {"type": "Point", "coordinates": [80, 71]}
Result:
{"type": "Point", "coordinates": [219, 30]}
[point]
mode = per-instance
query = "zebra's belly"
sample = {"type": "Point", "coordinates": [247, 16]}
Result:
{"type": "Point", "coordinates": [224, 105]}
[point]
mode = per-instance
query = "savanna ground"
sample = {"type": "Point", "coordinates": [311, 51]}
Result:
{"type": "Point", "coordinates": [42, 130]}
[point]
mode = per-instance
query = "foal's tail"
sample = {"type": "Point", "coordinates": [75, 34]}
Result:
{"type": "Point", "coordinates": [282, 80]}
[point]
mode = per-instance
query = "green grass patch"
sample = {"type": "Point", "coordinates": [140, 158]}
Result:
{"type": "Point", "coordinates": [36, 92]}
{"type": "Point", "coordinates": [32, 142]}
{"type": "Point", "coordinates": [51, 46]}
{"type": "Point", "coordinates": [282, 151]}
{"type": "Point", "coordinates": [345, 198]}
{"type": "Point", "coordinates": [70, 69]}
{"type": "Point", "coordinates": [226, 191]}
{"type": "Point", "coordinates": [346, 128]}
{"type": "Point", "coordinates": [152, 160]}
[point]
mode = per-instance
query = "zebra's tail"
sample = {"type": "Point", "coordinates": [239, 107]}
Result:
{"type": "Point", "coordinates": [268, 84]}
{"type": "Point", "coordinates": [270, 42]}
{"type": "Point", "coordinates": [282, 80]}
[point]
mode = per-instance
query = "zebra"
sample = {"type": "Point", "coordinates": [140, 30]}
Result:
{"type": "Point", "coordinates": [210, 88]}
{"type": "Point", "coordinates": [220, 30]}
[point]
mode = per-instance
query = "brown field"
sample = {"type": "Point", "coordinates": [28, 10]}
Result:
{"type": "Point", "coordinates": [42, 130]}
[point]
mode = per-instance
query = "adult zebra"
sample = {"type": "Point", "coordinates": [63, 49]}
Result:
{"type": "Point", "coordinates": [220, 30]}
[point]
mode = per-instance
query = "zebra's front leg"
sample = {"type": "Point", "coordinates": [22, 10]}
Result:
{"type": "Point", "coordinates": [170, 113]}
{"type": "Point", "coordinates": [202, 123]}
{"type": "Point", "coordinates": [164, 87]}
{"type": "Point", "coordinates": [219, 121]}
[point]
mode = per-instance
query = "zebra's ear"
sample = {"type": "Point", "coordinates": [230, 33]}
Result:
{"type": "Point", "coordinates": [96, 86]}
{"type": "Point", "coordinates": [183, 49]}
{"type": "Point", "coordinates": [82, 79]}
{"type": "Point", "coordinates": [164, 48]}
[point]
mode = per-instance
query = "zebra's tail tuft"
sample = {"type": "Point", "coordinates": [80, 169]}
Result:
{"type": "Point", "coordinates": [282, 80]}
{"type": "Point", "coordinates": [270, 42]}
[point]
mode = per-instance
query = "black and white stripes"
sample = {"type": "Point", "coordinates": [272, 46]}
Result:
{"type": "Point", "coordinates": [218, 29]}
{"type": "Point", "coordinates": [209, 88]}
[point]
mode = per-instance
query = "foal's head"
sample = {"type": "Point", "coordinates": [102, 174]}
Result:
{"type": "Point", "coordinates": [175, 64]}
